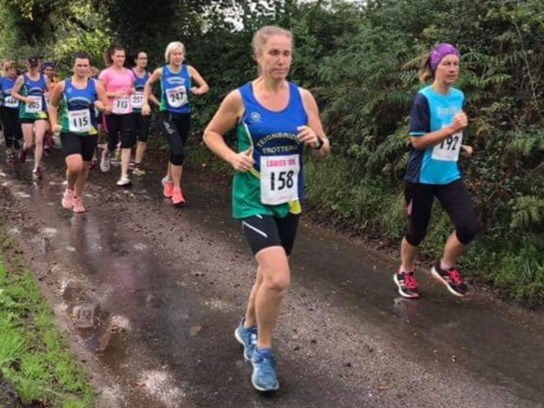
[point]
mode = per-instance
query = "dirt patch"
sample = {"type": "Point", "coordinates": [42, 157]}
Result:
{"type": "Point", "coordinates": [8, 394]}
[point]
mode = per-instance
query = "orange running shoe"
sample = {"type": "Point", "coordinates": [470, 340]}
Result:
{"type": "Point", "coordinates": [68, 199]}
{"type": "Point", "coordinates": [78, 205]}
{"type": "Point", "coordinates": [177, 197]}
{"type": "Point", "coordinates": [168, 189]}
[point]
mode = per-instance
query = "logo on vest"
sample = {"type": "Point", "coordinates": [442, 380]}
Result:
{"type": "Point", "coordinates": [255, 117]}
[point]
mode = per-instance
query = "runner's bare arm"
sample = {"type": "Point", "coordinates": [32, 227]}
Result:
{"type": "Point", "coordinates": [56, 97]}
{"type": "Point", "coordinates": [155, 76]}
{"type": "Point", "coordinates": [315, 133]}
{"type": "Point", "coordinates": [202, 85]}
{"type": "Point", "coordinates": [460, 122]}
{"type": "Point", "coordinates": [17, 88]}
{"type": "Point", "coordinates": [225, 119]}
{"type": "Point", "coordinates": [102, 102]}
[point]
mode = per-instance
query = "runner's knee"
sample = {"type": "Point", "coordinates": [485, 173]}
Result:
{"type": "Point", "coordinates": [278, 281]}
{"type": "Point", "coordinates": [75, 166]}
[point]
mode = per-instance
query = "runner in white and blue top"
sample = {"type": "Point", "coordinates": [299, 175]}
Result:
{"type": "Point", "coordinates": [432, 111]}
{"type": "Point", "coordinates": [437, 122]}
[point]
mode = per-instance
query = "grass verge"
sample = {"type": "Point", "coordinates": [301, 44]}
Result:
{"type": "Point", "coordinates": [34, 356]}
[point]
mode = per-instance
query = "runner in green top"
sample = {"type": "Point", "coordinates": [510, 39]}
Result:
{"type": "Point", "coordinates": [275, 121]}
{"type": "Point", "coordinates": [78, 126]}
{"type": "Point", "coordinates": [30, 89]}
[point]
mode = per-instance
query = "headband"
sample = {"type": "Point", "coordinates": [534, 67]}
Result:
{"type": "Point", "coordinates": [439, 52]}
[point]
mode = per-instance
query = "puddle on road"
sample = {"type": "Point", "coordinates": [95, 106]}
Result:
{"type": "Point", "coordinates": [21, 194]}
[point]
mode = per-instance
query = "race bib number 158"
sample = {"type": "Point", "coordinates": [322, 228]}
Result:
{"type": "Point", "coordinates": [279, 179]}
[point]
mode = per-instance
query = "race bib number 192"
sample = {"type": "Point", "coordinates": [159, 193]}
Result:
{"type": "Point", "coordinates": [449, 149]}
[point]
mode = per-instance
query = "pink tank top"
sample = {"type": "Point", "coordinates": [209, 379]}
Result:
{"type": "Point", "coordinates": [119, 82]}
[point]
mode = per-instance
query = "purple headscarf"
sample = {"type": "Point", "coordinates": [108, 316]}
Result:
{"type": "Point", "coordinates": [47, 65]}
{"type": "Point", "coordinates": [439, 52]}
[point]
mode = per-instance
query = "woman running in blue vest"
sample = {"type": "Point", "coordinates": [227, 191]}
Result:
{"type": "Point", "coordinates": [141, 122]}
{"type": "Point", "coordinates": [9, 112]}
{"type": "Point", "coordinates": [78, 126]}
{"type": "Point", "coordinates": [30, 89]}
{"type": "Point", "coordinates": [274, 121]}
{"type": "Point", "coordinates": [174, 118]}
{"type": "Point", "coordinates": [437, 122]}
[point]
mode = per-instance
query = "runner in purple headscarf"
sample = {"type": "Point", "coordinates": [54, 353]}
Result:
{"type": "Point", "coordinates": [437, 122]}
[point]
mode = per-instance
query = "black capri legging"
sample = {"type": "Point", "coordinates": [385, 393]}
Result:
{"type": "Point", "coordinates": [141, 125]}
{"type": "Point", "coordinates": [175, 128]}
{"type": "Point", "coordinates": [120, 126]}
{"type": "Point", "coordinates": [455, 199]}
{"type": "Point", "coordinates": [12, 126]}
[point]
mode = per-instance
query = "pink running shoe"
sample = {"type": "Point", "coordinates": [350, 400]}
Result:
{"type": "Point", "coordinates": [451, 278]}
{"type": "Point", "coordinates": [177, 197]}
{"type": "Point", "coordinates": [407, 284]}
{"type": "Point", "coordinates": [78, 205]}
{"type": "Point", "coordinates": [68, 199]}
{"type": "Point", "coordinates": [22, 155]}
{"type": "Point", "coordinates": [168, 191]}
{"type": "Point", "coordinates": [37, 174]}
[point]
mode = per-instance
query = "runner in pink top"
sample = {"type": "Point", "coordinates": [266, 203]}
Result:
{"type": "Point", "coordinates": [119, 84]}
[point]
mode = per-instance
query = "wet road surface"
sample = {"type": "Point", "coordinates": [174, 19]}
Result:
{"type": "Point", "coordinates": [150, 295]}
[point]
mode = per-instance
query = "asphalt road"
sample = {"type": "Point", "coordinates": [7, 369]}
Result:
{"type": "Point", "coordinates": [150, 294]}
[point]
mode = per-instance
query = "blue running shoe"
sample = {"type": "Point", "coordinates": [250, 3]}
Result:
{"type": "Point", "coordinates": [247, 338]}
{"type": "Point", "coordinates": [264, 376]}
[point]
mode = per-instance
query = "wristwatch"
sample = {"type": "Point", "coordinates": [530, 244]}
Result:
{"type": "Point", "coordinates": [320, 143]}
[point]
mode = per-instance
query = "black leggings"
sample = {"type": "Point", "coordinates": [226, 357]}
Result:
{"type": "Point", "coordinates": [141, 124]}
{"type": "Point", "coordinates": [454, 198]}
{"type": "Point", "coordinates": [175, 128]}
{"type": "Point", "coordinates": [12, 126]}
{"type": "Point", "coordinates": [120, 126]}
